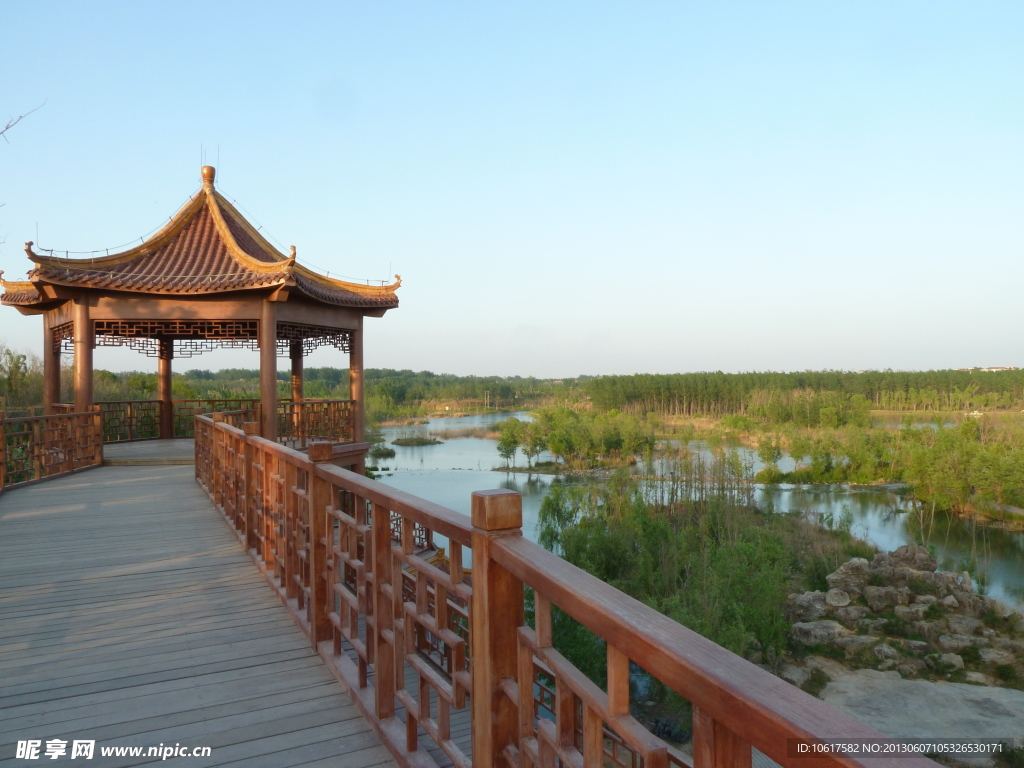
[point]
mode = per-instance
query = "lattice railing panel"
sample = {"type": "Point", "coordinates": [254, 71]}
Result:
{"type": "Point", "coordinates": [130, 420]}
{"type": "Point", "coordinates": [305, 421]}
{"type": "Point", "coordinates": [39, 447]}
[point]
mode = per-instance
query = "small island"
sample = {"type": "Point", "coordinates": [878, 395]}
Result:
{"type": "Point", "coordinates": [415, 441]}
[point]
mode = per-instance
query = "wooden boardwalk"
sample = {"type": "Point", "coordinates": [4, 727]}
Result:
{"type": "Point", "coordinates": [130, 616]}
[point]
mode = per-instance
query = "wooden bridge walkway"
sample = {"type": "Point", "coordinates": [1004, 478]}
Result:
{"type": "Point", "coordinates": [130, 616]}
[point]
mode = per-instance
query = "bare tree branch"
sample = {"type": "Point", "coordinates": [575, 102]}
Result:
{"type": "Point", "coordinates": [15, 120]}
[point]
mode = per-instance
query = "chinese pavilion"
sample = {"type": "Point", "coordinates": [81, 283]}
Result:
{"type": "Point", "coordinates": [207, 279]}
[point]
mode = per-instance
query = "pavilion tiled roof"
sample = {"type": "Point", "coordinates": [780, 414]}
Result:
{"type": "Point", "coordinates": [207, 247]}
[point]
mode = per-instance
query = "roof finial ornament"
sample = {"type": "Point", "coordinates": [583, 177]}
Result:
{"type": "Point", "coordinates": [292, 247]}
{"type": "Point", "coordinates": [209, 173]}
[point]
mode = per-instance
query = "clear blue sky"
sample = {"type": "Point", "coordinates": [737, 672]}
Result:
{"type": "Point", "coordinates": [565, 188]}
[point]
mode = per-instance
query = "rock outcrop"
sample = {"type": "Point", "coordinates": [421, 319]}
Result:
{"type": "Point", "coordinates": [898, 612]}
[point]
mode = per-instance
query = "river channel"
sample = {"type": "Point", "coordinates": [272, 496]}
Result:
{"type": "Point", "coordinates": [448, 473]}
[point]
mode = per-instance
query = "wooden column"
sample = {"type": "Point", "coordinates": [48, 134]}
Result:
{"type": "Point", "coordinates": [295, 352]}
{"type": "Point", "coordinates": [51, 366]}
{"type": "Point", "coordinates": [84, 340]}
{"type": "Point", "coordinates": [163, 388]}
{"type": "Point", "coordinates": [355, 383]}
{"type": "Point", "coordinates": [268, 369]}
{"type": "Point", "coordinates": [496, 617]}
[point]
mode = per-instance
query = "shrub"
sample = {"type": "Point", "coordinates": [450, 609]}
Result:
{"type": "Point", "coordinates": [816, 682]}
{"type": "Point", "coordinates": [1007, 673]}
{"type": "Point", "coordinates": [1011, 757]}
{"type": "Point", "coordinates": [971, 655]}
{"type": "Point", "coordinates": [921, 587]}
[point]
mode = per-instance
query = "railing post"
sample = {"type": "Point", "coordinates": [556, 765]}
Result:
{"type": "Point", "coordinates": [37, 451]}
{"type": "Point", "coordinates": [218, 461]}
{"type": "Point", "coordinates": [385, 592]}
{"type": "Point", "coordinates": [321, 542]}
{"type": "Point", "coordinates": [715, 746]}
{"type": "Point", "coordinates": [3, 451]}
{"type": "Point", "coordinates": [495, 616]}
{"type": "Point", "coordinates": [97, 421]}
{"type": "Point", "coordinates": [250, 428]}
{"type": "Point", "coordinates": [199, 436]}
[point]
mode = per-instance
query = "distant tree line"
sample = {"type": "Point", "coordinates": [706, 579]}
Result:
{"type": "Point", "coordinates": [719, 394]}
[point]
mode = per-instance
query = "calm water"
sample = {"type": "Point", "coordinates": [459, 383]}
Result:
{"type": "Point", "coordinates": [447, 474]}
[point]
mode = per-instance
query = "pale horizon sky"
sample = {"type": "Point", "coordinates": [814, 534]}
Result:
{"type": "Point", "coordinates": [566, 189]}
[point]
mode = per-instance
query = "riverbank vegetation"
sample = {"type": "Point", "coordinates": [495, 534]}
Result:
{"type": "Point", "coordinates": [579, 439]}
{"type": "Point", "coordinates": [686, 538]}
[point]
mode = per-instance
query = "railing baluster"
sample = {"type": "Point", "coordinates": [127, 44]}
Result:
{"type": "Point", "coordinates": [384, 592]}
{"type": "Point", "coordinates": [715, 746]}
{"type": "Point", "coordinates": [497, 612]}
{"type": "Point", "coordinates": [321, 538]}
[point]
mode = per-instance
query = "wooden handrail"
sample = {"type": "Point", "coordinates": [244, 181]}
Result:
{"type": "Point", "coordinates": [35, 448]}
{"type": "Point", "coordinates": [353, 560]}
{"type": "Point", "coordinates": [759, 708]}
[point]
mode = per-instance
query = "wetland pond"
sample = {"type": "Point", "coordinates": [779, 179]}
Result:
{"type": "Point", "coordinates": [448, 473]}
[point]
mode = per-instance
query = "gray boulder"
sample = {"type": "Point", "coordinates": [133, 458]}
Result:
{"type": "Point", "coordinates": [970, 603]}
{"type": "Point", "coordinates": [817, 632]}
{"type": "Point", "coordinates": [907, 670]}
{"type": "Point", "coordinates": [795, 675]}
{"type": "Point", "coordinates": [925, 599]}
{"type": "Point", "coordinates": [837, 598]}
{"type": "Point", "coordinates": [806, 607]}
{"type": "Point", "coordinates": [873, 626]}
{"type": "Point", "coordinates": [916, 646]}
{"type": "Point", "coordinates": [885, 652]}
{"type": "Point", "coordinates": [951, 660]}
{"type": "Point", "coordinates": [855, 643]}
{"type": "Point", "coordinates": [996, 656]}
{"type": "Point", "coordinates": [1013, 646]}
{"type": "Point", "coordinates": [962, 625]}
{"type": "Point", "coordinates": [908, 556]}
{"type": "Point", "coordinates": [956, 643]}
{"type": "Point", "coordinates": [929, 629]}
{"type": "Point", "coordinates": [910, 612]}
{"type": "Point", "coordinates": [850, 614]}
{"type": "Point", "coordinates": [880, 598]}
{"type": "Point", "coordinates": [851, 577]}
{"type": "Point", "coordinates": [949, 602]}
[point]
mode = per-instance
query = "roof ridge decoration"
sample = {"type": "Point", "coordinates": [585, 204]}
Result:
{"type": "Point", "coordinates": [207, 246]}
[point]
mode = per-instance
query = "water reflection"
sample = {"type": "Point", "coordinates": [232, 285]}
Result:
{"type": "Point", "coordinates": [447, 474]}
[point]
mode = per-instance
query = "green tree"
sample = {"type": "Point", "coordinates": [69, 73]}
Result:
{"type": "Point", "coordinates": [534, 441]}
{"type": "Point", "coordinates": [511, 437]}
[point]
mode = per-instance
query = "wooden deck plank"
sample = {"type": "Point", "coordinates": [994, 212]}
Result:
{"type": "Point", "coordinates": [130, 615]}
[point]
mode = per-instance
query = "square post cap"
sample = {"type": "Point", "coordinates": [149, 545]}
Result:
{"type": "Point", "coordinates": [321, 450]}
{"type": "Point", "coordinates": [497, 510]}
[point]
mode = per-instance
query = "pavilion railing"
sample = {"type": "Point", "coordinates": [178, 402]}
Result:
{"type": "Point", "coordinates": [442, 662]}
{"type": "Point", "coordinates": [298, 423]}
{"type": "Point", "coordinates": [35, 448]}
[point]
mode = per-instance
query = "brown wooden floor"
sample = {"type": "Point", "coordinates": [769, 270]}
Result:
{"type": "Point", "coordinates": [130, 615]}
